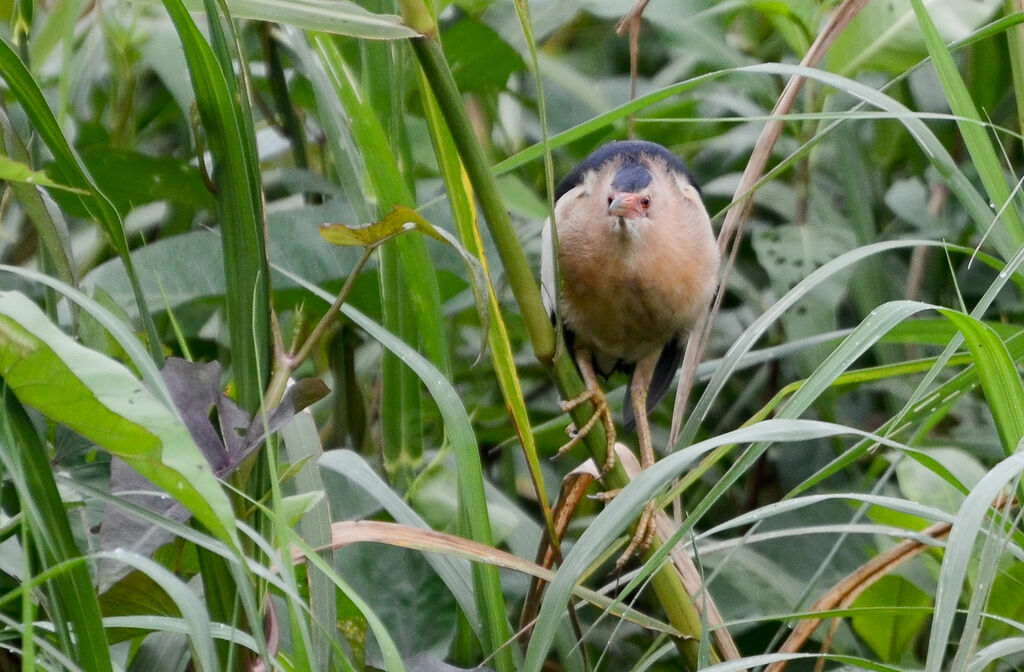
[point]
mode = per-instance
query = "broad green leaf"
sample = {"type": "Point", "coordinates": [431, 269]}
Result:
{"type": "Point", "coordinates": [885, 36]}
{"type": "Point", "coordinates": [468, 43]}
{"type": "Point", "coordinates": [130, 179]}
{"type": "Point", "coordinates": [791, 252]}
{"type": "Point", "coordinates": [101, 400]}
{"type": "Point", "coordinates": [890, 633]}
{"type": "Point", "coordinates": [183, 269]}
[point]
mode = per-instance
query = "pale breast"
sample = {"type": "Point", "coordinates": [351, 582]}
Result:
{"type": "Point", "coordinates": [627, 295]}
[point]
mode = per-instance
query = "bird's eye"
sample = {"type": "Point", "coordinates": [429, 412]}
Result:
{"type": "Point", "coordinates": [610, 199]}
{"type": "Point", "coordinates": [645, 202]}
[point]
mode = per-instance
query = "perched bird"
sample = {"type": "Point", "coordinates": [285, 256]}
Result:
{"type": "Point", "coordinates": [638, 264]}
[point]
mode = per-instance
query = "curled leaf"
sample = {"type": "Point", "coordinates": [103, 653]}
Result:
{"type": "Point", "coordinates": [400, 220]}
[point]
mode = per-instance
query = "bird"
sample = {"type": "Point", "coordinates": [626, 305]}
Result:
{"type": "Point", "coordinates": [637, 265]}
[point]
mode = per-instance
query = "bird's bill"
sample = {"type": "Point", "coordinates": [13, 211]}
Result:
{"type": "Point", "coordinates": [626, 205]}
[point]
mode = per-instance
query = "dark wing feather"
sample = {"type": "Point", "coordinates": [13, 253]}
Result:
{"type": "Point", "coordinates": [664, 371]}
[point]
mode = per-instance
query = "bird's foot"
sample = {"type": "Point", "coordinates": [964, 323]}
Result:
{"type": "Point", "coordinates": [645, 528]}
{"type": "Point", "coordinates": [602, 413]}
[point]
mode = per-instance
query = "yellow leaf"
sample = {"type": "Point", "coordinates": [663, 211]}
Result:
{"type": "Point", "coordinates": [400, 220]}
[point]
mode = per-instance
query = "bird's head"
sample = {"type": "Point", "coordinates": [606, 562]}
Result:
{"type": "Point", "coordinates": [629, 190]}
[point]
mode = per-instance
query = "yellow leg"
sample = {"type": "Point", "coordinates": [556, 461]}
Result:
{"type": "Point", "coordinates": [602, 412]}
{"type": "Point", "coordinates": [646, 526]}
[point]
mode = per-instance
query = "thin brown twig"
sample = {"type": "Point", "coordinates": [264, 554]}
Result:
{"type": "Point", "coordinates": [846, 592]}
{"type": "Point", "coordinates": [633, 21]}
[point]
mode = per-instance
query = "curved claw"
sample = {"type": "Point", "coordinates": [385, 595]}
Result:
{"type": "Point", "coordinates": [646, 527]}
{"type": "Point", "coordinates": [602, 412]}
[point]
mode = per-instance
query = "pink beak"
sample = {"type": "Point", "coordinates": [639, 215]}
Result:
{"type": "Point", "coordinates": [626, 205]}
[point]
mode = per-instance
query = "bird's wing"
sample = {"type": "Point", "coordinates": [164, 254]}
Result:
{"type": "Point", "coordinates": [664, 372]}
{"type": "Point", "coordinates": [548, 282]}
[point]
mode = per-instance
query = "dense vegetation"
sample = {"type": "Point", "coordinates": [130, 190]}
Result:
{"type": "Point", "coordinates": [179, 487]}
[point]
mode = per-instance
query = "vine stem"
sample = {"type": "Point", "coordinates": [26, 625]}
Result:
{"type": "Point", "coordinates": [286, 363]}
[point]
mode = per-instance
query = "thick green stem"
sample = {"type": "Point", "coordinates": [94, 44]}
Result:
{"type": "Point", "coordinates": [517, 268]}
{"type": "Point", "coordinates": [1015, 44]}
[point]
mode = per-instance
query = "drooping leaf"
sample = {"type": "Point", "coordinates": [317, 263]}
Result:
{"type": "Point", "coordinates": [100, 399]}
{"type": "Point", "coordinates": [330, 16]}
{"type": "Point", "coordinates": [400, 220]}
{"type": "Point", "coordinates": [15, 171]}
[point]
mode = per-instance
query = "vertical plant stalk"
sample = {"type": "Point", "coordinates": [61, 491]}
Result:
{"type": "Point", "coordinates": [1015, 45]}
{"type": "Point", "coordinates": [517, 268]}
{"type": "Point", "coordinates": [410, 309]}
{"type": "Point", "coordinates": [289, 121]}
{"type": "Point", "coordinates": [499, 345]}
{"type": "Point", "coordinates": [227, 119]}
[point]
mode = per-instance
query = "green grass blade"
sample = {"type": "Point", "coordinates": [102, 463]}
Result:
{"type": "Point", "coordinates": [1009, 234]}
{"type": "Point", "coordinates": [303, 446]}
{"type": "Point", "coordinates": [959, 555]}
{"type": "Point", "coordinates": [499, 343]}
{"type": "Point", "coordinates": [193, 613]}
{"type": "Point", "coordinates": [329, 16]}
{"type": "Point", "coordinates": [998, 376]}
{"type": "Point", "coordinates": [75, 175]}
{"type": "Point", "coordinates": [24, 457]}
{"type": "Point", "coordinates": [49, 223]}
{"type": "Point", "coordinates": [227, 122]}
{"type": "Point", "coordinates": [412, 309]}
{"type": "Point", "coordinates": [612, 521]}
{"type": "Point", "coordinates": [731, 360]}
{"type": "Point", "coordinates": [467, 454]}
{"type": "Point", "coordinates": [455, 574]}
{"type": "Point", "coordinates": [517, 269]}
